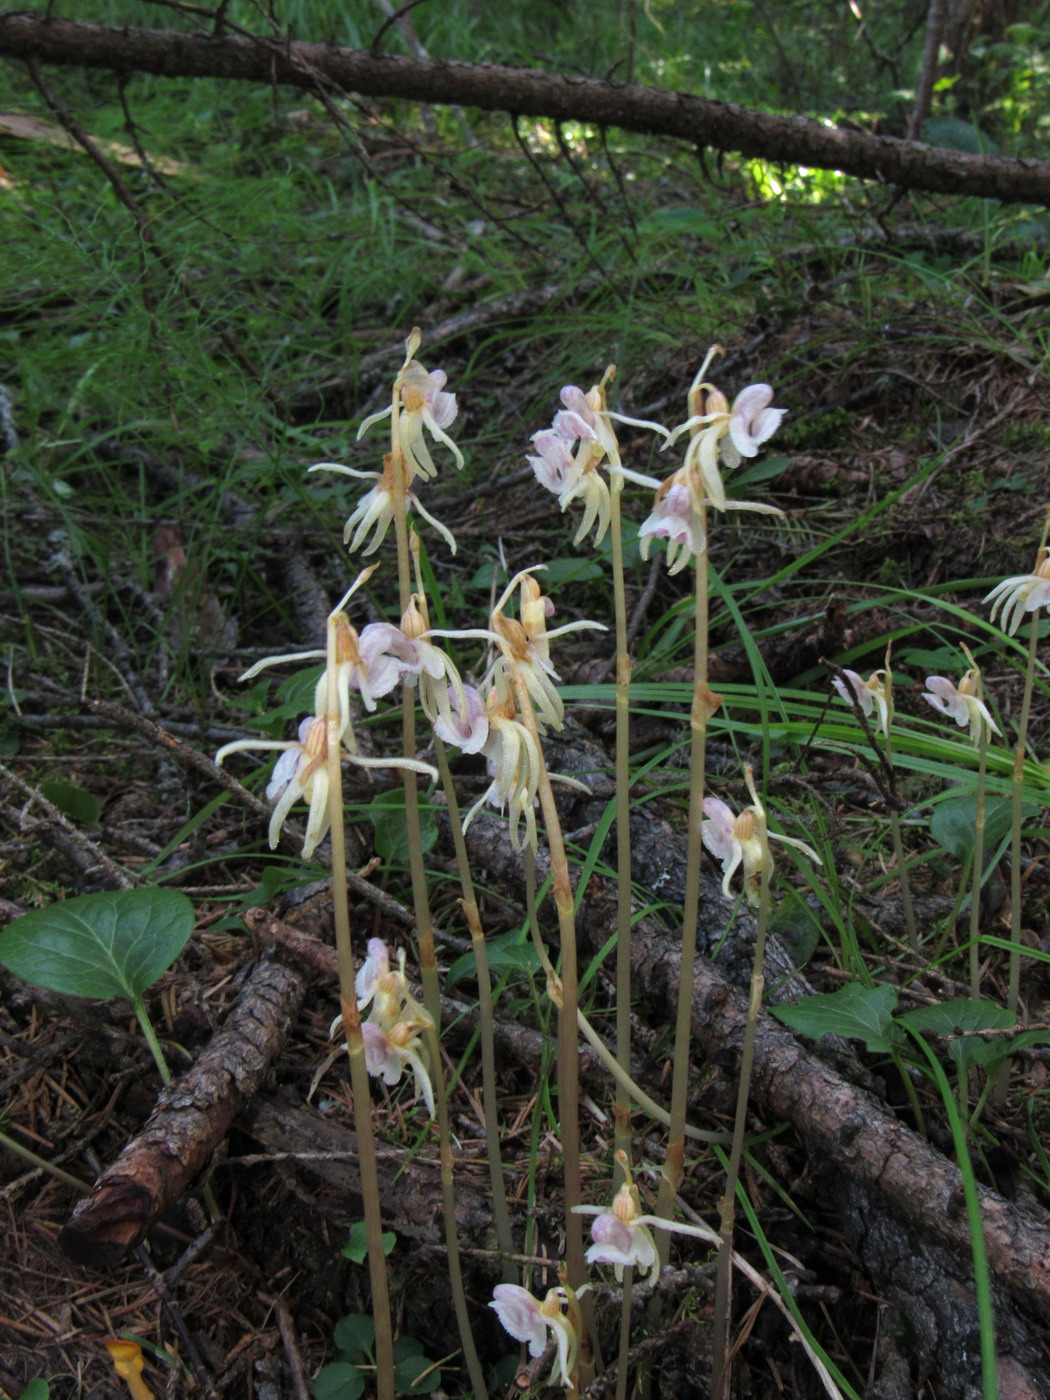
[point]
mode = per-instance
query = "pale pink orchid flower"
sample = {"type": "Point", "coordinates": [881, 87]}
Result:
{"type": "Point", "coordinates": [585, 419]}
{"type": "Point", "coordinates": [962, 704]}
{"type": "Point", "coordinates": [375, 966]}
{"type": "Point", "coordinates": [525, 643]}
{"type": "Point", "coordinates": [871, 695]}
{"type": "Point", "coordinates": [515, 766]}
{"type": "Point", "coordinates": [553, 465]}
{"type": "Point", "coordinates": [301, 772]}
{"type": "Point", "coordinates": [465, 724]}
{"type": "Point", "coordinates": [392, 1032]}
{"type": "Point", "coordinates": [388, 1053]}
{"type": "Point", "coordinates": [622, 1234]}
{"type": "Point", "coordinates": [725, 433]}
{"type": "Point", "coordinates": [743, 840]}
{"type": "Point", "coordinates": [528, 1320]}
{"type": "Point", "coordinates": [678, 514]}
{"type": "Point", "coordinates": [676, 519]}
{"type": "Point", "coordinates": [422, 404]}
{"type": "Point", "coordinates": [1021, 594]}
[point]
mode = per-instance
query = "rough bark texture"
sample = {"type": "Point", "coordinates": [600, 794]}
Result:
{"type": "Point", "coordinates": [528, 92]}
{"type": "Point", "coordinates": [188, 1125]}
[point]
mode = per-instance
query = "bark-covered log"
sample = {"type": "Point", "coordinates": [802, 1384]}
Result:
{"type": "Point", "coordinates": [529, 92]}
{"type": "Point", "coordinates": [190, 1122]}
{"type": "Point", "coordinates": [839, 1122]}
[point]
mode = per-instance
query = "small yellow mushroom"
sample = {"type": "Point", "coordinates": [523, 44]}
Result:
{"type": "Point", "coordinates": [127, 1359]}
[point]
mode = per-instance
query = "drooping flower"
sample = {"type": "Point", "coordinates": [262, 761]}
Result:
{"type": "Point", "coordinates": [962, 704]}
{"type": "Point", "coordinates": [676, 518]}
{"type": "Point", "coordinates": [392, 1034]}
{"type": "Point", "coordinates": [528, 1320]}
{"type": "Point", "coordinates": [371, 663]}
{"type": "Point", "coordinates": [389, 1052]}
{"type": "Point", "coordinates": [1021, 594]}
{"type": "Point", "coordinates": [720, 432]}
{"type": "Point", "coordinates": [871, 694]}
{"type": "Point", "coordinates": [375, 510]}
{"type": "Point", "coordinates": [465, 725]}
{"type": "Point", "coordinates": [525, 643]}
{"type": "Point", "coordinates": [421, 403]}
{"type": "Point", "coordinates": [622, 1234]}
{"type": "Point", "coordinates": [300, 773]}
{"type": "Point", "coordinates": [586, 420]}
{"type": "Point", "coordinates": [743, 840]}
{"type": "Point", "coordinates": [418, 402]}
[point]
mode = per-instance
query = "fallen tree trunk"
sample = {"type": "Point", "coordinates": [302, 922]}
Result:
{"type": "Point", "coordinates": [528, 92]}
{"type": "Point", "coordinates": [189, 1124]}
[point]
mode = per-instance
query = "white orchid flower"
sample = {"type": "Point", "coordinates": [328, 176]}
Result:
{"type": "Point", "coordinates": [622, 1234]}
{"type": "Point", "coordinates": [962, 704]}
{"type": "Point", "coordinates": [871, 695]}
{"type": "Point", "coordinates": [743, 840]}
{"type": "Point", "coordinates": [528, 1320]}
{"type": "Point", "coordinates": [586, 420]}
{"type": "Point", "coordinates": [1021, 594]}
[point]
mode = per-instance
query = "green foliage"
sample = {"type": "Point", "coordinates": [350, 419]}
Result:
{"type": "Point", "coordinates": [37, 1389]}
{"type": "Point", "coordinates": [356, 1250]}
{"type": "Point", "coordinates": [866, 1013]}
{"type": "Point", "coordinates": [953, 824]}
{"type": "Point", "coordinates": [855, 1012]}
{"type": "Point", "coordinates": [112, 944]}
{"type": "Point", "coordinates": [390, 828]}
{"type": "Point", "coordinates": [347, 1377]}
{"type": "Point", "coordinates": [75, 802]}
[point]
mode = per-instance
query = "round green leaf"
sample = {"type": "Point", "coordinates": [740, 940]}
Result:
{"type": "Point", "coordinates": [37, 1389]}
{"type": "Point", "coordinates": [114, 944]}
{"type": "Point", "coordinates": [355, 1334]}
{"type": "Point", "coordinates": [338, 1381]}
{"type": "Point", "coordinates": [415, 1375]}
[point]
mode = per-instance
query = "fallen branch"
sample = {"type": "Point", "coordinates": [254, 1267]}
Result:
{"type": "Point", "coordinates": [528, 92]}
{"type": "Point", "coordinates": [839, 1122]}
{"type": "Point", "coordinates": [190, 1122]}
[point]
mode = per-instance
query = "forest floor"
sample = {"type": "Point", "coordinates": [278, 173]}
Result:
{"type": "Point", "coordinates": [912, 473]}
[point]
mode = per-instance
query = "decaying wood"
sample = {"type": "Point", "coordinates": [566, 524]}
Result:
{"type": "Point", "coordinates": [519, 1043]}
{"type": "Point", "coordinates": [324, 1152]}
{"type": "Point", "coordinates": [840, 1122]}
{"type": "Point", "coordinates": [527, 92]}
{"type": "Point", "coordinates": [188, 1125]}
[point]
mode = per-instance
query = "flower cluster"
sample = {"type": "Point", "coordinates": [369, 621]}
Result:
{"type": "Point", "coordinates": [718, 433]}
{"type": "Point", "coordinates": [570, 471]}
{"type": "Point", "coordinates": [371, 663]}
{"type": "Point", "coordinates": [743, 840]}
{"type": "Point", "coordinates": [419, 403]}
{"type": "Point", "coordinates": [488, 719]}
{"type": "Point", "coordinates": [622, 1236]}
{"type": "Point", "coordinates": [395, 1023]}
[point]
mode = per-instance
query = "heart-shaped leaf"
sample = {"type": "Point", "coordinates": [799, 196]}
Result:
{"type": "Point", "coordinates": [952, 1018]}
{"type": "Point", "coordinates": [854, 1011]}
{"type": "Point", "coordinates": [114, 944]}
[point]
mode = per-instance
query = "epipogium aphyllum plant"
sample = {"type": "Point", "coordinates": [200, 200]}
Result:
{"type": "Point", "coordinates": [504, 718]}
